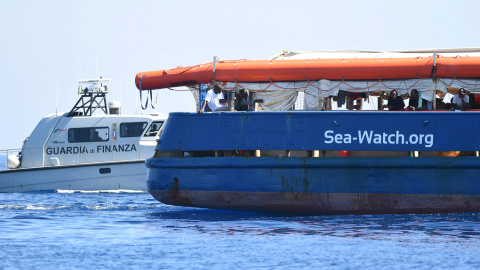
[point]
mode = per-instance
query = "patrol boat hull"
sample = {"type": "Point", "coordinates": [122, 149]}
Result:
{"type": "Point", "coordinates": [128, 175]}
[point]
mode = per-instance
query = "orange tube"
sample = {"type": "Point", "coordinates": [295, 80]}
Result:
{"type": "Point", "coordinates": [310, 69]}
{"type": "Point", "coordinates": [459, 67]}
{"type": "Point", "coordinates": [182, 76]}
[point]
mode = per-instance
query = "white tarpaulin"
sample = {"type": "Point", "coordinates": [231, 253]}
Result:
{"type": "Point", "coordinates": [471, 85]}
{"type": "Point", "coordinates": [376, 54]}
{"type": "Point", "coordinates": [280, 96]}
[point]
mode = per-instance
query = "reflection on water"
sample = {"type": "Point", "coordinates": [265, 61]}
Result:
{"type": "Point", "coordinates": [134, 231]}
{"type": "Point", "coordinates": [463, 225]}
{"type": "Point", "coordinates": [141, 209]}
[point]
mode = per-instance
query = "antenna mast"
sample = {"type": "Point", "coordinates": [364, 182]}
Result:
{"type": "Point", "coordinates": [92, 98]}
{"type": "Point", "coordinates": [80, 62]}
{"type": "Point", "coordinates": [96, 64]}
{"type": "Point", "coordinates": [121, 92]}
{"type": "Point", "coordinates": [56, 109]}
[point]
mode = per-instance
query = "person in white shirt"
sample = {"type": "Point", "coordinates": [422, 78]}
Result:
{"type": "Point", "coordinates": [213, 98]}
{"type": "Point", "coordinates": [461, 101]}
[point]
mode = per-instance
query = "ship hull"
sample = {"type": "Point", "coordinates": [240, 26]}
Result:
{"type": "Point", "coordinates": [128, 175]}
{"type": "Point", "coordinates": [316, 186]}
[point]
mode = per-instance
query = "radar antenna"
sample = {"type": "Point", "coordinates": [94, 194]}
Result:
{"type": "Point", "coordinates": [92, 97]}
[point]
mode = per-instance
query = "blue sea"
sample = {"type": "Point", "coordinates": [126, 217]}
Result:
{"type": "Point", "coordinates": [3, 165]}
{"type": "Point", "coordinates": [124, 230]}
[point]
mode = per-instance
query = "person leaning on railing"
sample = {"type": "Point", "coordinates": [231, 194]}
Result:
{"type": "Point", "coordinates": [395, 103]}
{"type": "Point", "coordinates": [461, 101]}
{"type": "Point", "coordinates": [416, 103]}
{"type": "Point", "coordinates": [213, 100]}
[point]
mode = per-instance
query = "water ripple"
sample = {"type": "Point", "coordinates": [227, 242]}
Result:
{"type": "Point", "coordinates": [133, 230]}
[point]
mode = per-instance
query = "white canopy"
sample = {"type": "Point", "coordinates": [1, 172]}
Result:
{"type": "Point", "coordinates": [376, 54]}
{"type": "Point", "coordinates": [280, 96]}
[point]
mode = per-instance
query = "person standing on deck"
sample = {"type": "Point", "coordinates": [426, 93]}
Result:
{"type": "Point", "coordinates": [461, 102]}
{"type": "Point", "coordinates": [213, 99]}
{"type": "Point", "coordinates": [395, 103]}
{"type": "Point", "coordinates": [416, 103]}
{"type": "Point", "coordinates": [241, 103]}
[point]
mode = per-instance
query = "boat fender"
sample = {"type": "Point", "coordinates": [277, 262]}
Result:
{"type": "Point", "coordinates": [12, 162]}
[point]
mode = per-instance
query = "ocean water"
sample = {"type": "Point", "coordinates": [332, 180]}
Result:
{"type": "Point", "coordinates": [133, 231]}
{"type": "Point", "coordinates": [3, 164]}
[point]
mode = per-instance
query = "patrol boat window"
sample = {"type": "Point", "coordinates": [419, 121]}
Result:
{"type": "Point", "coordinates": [153, 129]}
{"type": "Point", "coordinates": [134, 129]}
{"type": "Point", "coordinates": [77, 135]}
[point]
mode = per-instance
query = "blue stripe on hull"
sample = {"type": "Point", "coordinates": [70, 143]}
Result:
{"type": "Point", "coordinates": [320, 185]}
{"type": "Point", "coordinates": [323, 130]}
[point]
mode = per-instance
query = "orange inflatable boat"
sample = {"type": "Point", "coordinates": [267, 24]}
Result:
{"type": "Point", "coordinates": [310, 69]}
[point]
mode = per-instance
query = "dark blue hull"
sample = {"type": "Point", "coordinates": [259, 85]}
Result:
{"type": "Point", "coordinates": [314, 186]}
{"type": "Point", "coordinates": [197, 163]}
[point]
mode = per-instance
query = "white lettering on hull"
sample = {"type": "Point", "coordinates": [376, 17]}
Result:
{"type": "Point", "coordinates": [72, 150]}
{"type": "Point", "coordinates": [369, 137]}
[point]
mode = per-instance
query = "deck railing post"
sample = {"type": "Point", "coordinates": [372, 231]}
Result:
{"type": "Point", "coordinates": [231, 100]}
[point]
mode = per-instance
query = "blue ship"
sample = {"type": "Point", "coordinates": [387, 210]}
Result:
{"type": "Point", "coordinates": [305, 157]}
{"type": "Point", "coordinates": [290, 162]}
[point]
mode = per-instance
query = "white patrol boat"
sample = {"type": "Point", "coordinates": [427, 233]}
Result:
{"type": "Point", "coordinates": [81, 151]}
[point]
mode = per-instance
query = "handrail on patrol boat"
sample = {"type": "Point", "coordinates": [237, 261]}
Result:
{"type": "Point", "coordinates": [10, 151]}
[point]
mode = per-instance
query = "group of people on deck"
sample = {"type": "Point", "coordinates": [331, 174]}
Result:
{"type": "Point", "coordinates": [460, 102]}
{"type": "Point", "coordinates": [215, 100]}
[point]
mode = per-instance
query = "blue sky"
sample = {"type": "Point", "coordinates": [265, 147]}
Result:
{"type": "Point", "coordinates": [43, 42]}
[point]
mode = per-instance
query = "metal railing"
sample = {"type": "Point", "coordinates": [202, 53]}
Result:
{"type": "Point", "coordinates": [8, 152]}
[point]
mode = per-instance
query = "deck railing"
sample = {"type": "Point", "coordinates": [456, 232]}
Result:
{"type": "Point", "coordinates": [8, 152]}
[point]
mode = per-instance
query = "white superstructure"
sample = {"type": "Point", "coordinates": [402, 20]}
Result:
{"type": "Point", "coordinates": [82, 151]}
